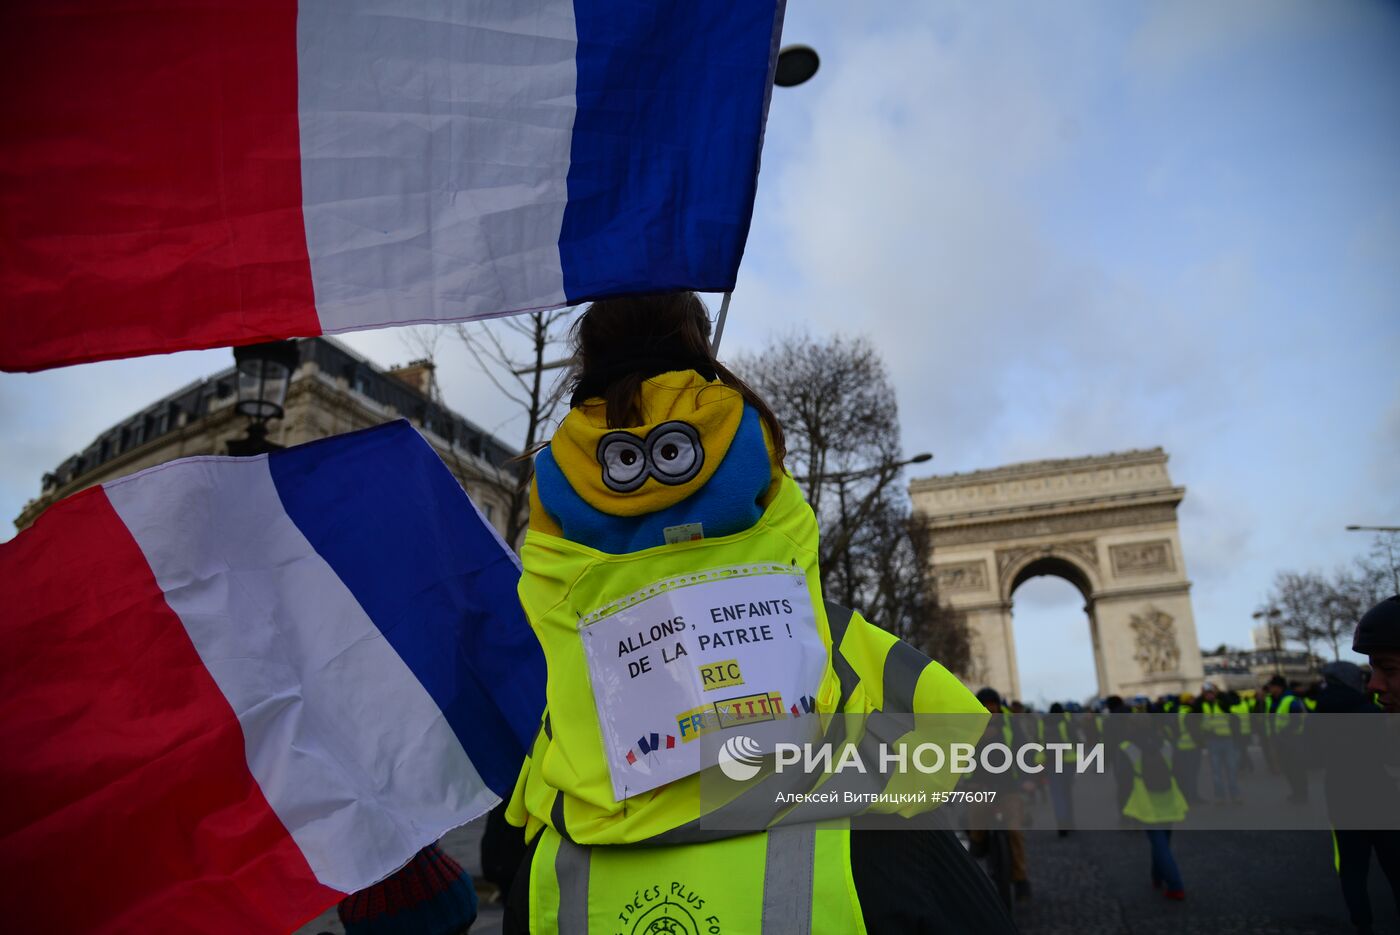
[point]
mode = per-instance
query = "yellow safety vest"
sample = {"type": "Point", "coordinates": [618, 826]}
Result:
{"type": "Point", "coordinates": [1216, 718]}
{"type": "Point", "coordinates": [565, 781]}
{"type": "Point", "coordinates": [1280, 720]}
{"type": "Point", "coordinates": [1241, 710]}
{"type": "Point", "coordinates": [1148, 807]}
{"type": "Point", "coordinates": [788, 879]}
{"type": "Point", "coordinates": [564, 793]}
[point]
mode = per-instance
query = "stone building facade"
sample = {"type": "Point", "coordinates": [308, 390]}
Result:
{"type": "Point", "coordinates": [333, 390]}
{"type": "Point", "coordinates": [1107, 524]}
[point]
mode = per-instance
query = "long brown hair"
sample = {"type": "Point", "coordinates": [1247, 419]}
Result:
{"type": "Point", "coordinates": [619, 343]}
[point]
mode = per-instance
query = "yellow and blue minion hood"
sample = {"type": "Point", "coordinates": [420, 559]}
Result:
{"type": "Point", "coordinates": [699, 466]}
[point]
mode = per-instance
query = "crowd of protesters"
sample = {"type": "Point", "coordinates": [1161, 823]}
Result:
{"type": "Point", "coordinates": [1158, 762]}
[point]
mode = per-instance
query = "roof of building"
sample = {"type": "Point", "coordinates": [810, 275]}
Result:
{"type": "Point", "coordinates": [331, 357]}
{"type": "Point", "coordinates": [1043, 466]}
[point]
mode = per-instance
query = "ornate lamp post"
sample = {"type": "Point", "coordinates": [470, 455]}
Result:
{"type": "Point", "coordinates": [264, 373]}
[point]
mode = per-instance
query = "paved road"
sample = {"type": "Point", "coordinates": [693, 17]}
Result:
{"type": "Point", "coordinates": [1237, 883]}
{"type": "Point", "coordinates": [1097, 883]}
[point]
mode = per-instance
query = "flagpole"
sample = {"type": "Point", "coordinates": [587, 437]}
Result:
{"type": "Point", "coordinates": [719, 325]}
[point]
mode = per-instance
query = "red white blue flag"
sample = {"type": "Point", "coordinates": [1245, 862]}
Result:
{"type": "Point", "coordinates": [202, 173]}
{"type": "Point", "coordinates": [237, 689]}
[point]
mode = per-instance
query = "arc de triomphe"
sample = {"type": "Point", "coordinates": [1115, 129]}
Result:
{"type": "Point", "coordinates": [1107, 524]}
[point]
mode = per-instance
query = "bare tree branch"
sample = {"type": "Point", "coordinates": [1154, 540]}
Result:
{"type": "Point", "coordinates": [513, 353]}
{"type": "Point", "coordinates": [838, 411]}
{"type": "Point", "coordinates": [1317, 610]}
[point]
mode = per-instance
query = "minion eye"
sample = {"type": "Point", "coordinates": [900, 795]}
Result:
{"type": "Point", "coordinates": [674, 451]}
{"type": "Point", "coordinates": [624, 461]}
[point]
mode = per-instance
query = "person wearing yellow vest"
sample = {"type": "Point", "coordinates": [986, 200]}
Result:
{"type": "Point", "coordinates": [1010, 789]}
{"type": "Point", "coordinates": [1241, 707]}
{"type": "Point", "coordinates": [1357, 788]}
{"type": "Point", "coordinates": [1219, 728]}
{"type": "Point", "coordinates": [1056, 727]}
{"type": "Point", "coordinates": [1186, 760]}
{"type": "Point", "coordinates": [1284, 725]}
{"type": "Point", "coordinates": [1149, 797]}
{"type": "Point", "coordinates": [664, 489]}
{"type": "Point", "coordinates": [1378, 637]}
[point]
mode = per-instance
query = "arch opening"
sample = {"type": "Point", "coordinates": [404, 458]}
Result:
{"type": "Point", "coordinates": [1052, 613]}
{"type": "Point", "coordinates": [1057, 567]}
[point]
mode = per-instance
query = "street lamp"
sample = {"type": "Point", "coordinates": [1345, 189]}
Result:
{"type": "Point", "coordinates": [796, 64]}
{"type": "Point", "coordinates": [264, 371]}
{"type": "Point", "coordinates": [842, 477]}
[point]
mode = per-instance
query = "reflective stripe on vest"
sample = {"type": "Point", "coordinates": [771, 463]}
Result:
{"type": "Point", "coordinates": [1148, 807]}
{"type": "Point", "coordinates": [794, 879]}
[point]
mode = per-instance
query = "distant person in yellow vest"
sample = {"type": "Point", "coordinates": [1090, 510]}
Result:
{"type": "Point", "coordinates": [664, 487]}
{"type": "Point", "coordinates": [1010, 788]}
{"type": "Point", "coordinates": [1242, 708]}
{"type": "Point", "coordinates": [1285, 725]}
{"type": "Point", "coordinates": [1057, 727]}
{"type": "Point", "coordinates": [1150, 798]}
{"type": "Point", "coordinates": [1186, 761]}
{"type": "Point", "coordinates": [1219, 729]}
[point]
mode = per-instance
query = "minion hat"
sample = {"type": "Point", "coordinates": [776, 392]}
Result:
{"type": "Point", "coordinates": [700, 464]}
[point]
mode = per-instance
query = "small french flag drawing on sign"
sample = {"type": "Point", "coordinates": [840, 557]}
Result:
{"type": "Point", "coordinates": [648, 744]}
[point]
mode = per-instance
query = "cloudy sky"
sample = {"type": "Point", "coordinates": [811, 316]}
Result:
{"type": "Point", "coordinates": [1070, 229]}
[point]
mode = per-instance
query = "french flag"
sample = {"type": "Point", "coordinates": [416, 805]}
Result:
{"type": "Point", "coordinates": [201, 173]}
{"type": "Point", "coordinates": [239, 688]}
